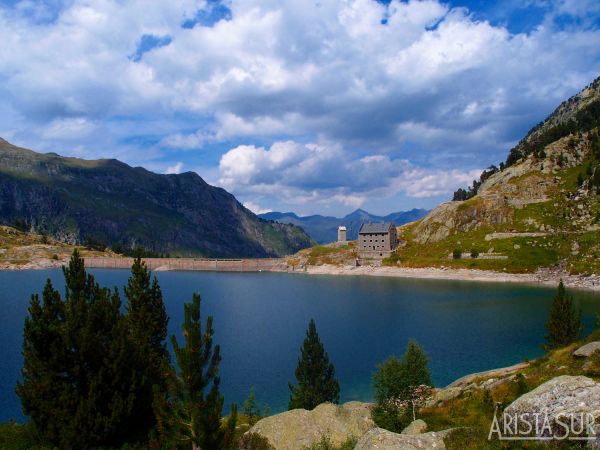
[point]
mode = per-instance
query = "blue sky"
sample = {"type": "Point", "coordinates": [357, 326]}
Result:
{"type": "Point", "coordinates": [307, 106]}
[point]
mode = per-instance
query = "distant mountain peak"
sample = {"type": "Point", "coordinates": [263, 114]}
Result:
{"type": "Point", "coordinates": [323, 229]}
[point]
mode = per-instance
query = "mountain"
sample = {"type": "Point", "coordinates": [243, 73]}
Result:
{"type": "Point", "coordinates": [541, 208]}
{"type": "Point", "coordinates": [107, 202]}
{"type": "Point", "coordinates": [323, 229]}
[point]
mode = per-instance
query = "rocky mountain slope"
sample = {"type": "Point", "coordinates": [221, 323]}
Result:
{"type": "Point", "coordinates": [108, 203]}
{"type": "Point", "coordinates": [541, 209]}
{"type": "Point", "coordinates": [323, 229]}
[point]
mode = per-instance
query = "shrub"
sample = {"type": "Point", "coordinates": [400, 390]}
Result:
{"type": "Point", "coordinates": [254, 441]}
{"type": "Point", "coordinates": [55, 257]}
{"type": "Point", "coordinates": [457, 253]}
{"type": "Point", "coordinates": [474, 253]}
{"type": "Point", "coordinates": [395, 384]}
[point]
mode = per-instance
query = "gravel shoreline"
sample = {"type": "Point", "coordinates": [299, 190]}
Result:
{"type": "Point", "coordinates": [544, 277]}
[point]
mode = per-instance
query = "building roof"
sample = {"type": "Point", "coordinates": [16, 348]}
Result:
{"type": "Point", "coordinates": [375, 227]}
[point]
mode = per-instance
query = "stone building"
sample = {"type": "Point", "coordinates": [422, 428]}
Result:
{"type": "Point", "coordinates": [377, 240]}
{"type": "Point", "coordinates": [342, 234]}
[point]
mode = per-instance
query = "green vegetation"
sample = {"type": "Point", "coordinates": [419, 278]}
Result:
{"type": "Point", "coordinates": [251, 411]}
{"type": "Point", "coordinates": [326, 444]}
{"type": "Point", "coordinates": [564, 323]}
{"type": "Point", "coordinates": [186, 414]}
{"type": "Point", "coordinates": [399, 388]}
{"type": "Point", "coordinates": [78, 386]}
{"type": "Point", "coordinates": [147, 320]}
{"type": "Point", "coordinates": [96, 375]}
{"type": "Point", "coordinates": [314, 373]}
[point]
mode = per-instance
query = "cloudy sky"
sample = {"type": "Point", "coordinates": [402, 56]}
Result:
{"type": "Point", "coordinates": [312, 106]}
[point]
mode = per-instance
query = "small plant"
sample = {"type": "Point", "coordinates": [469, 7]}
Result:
{"type": "Point", "coordinates": [55, 257]}
{"type": "Point", "coordinates": [457, 253]}
{"type": "Point", "coordinates": [474, 253]}
{"type": "Point", "coordinates": [254, 441]}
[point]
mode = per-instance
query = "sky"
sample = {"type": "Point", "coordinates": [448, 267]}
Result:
{"type": "Point", "coordinates": [311, 106]}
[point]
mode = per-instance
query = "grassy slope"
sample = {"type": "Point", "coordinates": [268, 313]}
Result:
{"type": "Point", "coordinates": [18, 247]}
{"type": "Point", "coordinates": [471, 410]}
{"type": "Point", "coordinates": [525, 254]}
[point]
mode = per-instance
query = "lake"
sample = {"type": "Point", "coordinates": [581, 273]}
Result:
{"type": "Point", "coordinates": [260, 321]}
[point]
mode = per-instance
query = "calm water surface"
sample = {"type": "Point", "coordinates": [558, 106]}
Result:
{"type": "Point", "coordinates": [260, 320]}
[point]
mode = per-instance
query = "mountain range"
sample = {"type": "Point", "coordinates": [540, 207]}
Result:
{"type": "Point", "coordinates": [323, 229]}
{"type": "Point", "coordinates": [109, 203]}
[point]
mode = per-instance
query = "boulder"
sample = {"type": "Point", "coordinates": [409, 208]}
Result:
{"type": "Point", "coordinates": [299, 428]}
{"type": "Point", "coordinates": [381, 439]}
{"type": "Point", "coordinates": [562, 396]}
{"type": "Point", "coordinates": [444, 395]}
{"type": "Point", "coordinates": [415, 427]}
{"type": "Point", "coordinates": [587, 350]}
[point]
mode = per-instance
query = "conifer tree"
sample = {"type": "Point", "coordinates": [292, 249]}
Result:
{"type": "Point", "coordinates": [147, 319]}
{"type": "Point", "coordinates": [78, 384]}
{"type": "Point", "coordinates": [314, 373]}
{"type": "Point", "coordinates": [564, 323]}
{"type": "Point", "coordinates": [188, 415]}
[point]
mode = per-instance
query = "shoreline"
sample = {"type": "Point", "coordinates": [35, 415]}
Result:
{"type": "Point", "coordinates": [542, 277]}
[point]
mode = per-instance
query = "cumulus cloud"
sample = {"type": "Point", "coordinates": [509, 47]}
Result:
{"type": "Point", "coordinates": [324, 172]}
{"type": "Point", "coordinates": [177, 168]}
{"type": "Point", "coordinates": [411, 83]}
{"type": "Point", "coordinates": [255, 208]}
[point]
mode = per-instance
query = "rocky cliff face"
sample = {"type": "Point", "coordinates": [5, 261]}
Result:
{"type": "Point", "coordinates": [109, 202]}
{"type": "Point", "coordinates": [540, 209]}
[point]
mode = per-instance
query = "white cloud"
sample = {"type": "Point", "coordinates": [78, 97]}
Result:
{"type": "Point", "coordinates": [434, 87]}
{"type": "Point", "coordinates": [305, 173]}
{"type": "Point", "coordinates": [177, 168]}
{"type": "Point", "coordinates": [255, 208]}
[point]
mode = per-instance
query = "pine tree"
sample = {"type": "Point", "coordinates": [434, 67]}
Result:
{"type": "Point", "coordinates": [78, 384]}
{"type": "Point", "coordinates": [148, 320]}
{"type": "Point", "coordinates": [187, 415]}
{"type": "Point", "coordinates": [564, 323]}
{"type": "Point", "coordinates": [315, 375]}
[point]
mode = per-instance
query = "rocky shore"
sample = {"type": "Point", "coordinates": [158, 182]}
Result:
{"type": "Point", "coordinates": [545, 277]}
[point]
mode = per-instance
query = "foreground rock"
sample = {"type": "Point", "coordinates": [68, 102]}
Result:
{"type": "Point", "coordinates": [381, 439]}
{"type": "Point", "coordinates": [587, 350]}
{"type": "Point", "coordinates": [300, 428]}
{"type": "Point", "coordinates": [415, 427]}
{"type": "Point", "coordinates": [562, 396]}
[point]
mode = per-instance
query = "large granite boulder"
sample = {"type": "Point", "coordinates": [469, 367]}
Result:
{"type": "Point", "coordinates": [562, 396]}
{"type": "Point", "coordinates": [299, 428]}
{"type": "Point", "coordinates": [380, 439]}
{"type": "Point", "coordinates": [587, 350]}
{"type": "Point", "coordinates": [415, 427]}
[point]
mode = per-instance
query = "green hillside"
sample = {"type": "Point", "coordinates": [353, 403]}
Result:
{"type": "Point", "coordinates": [539, 209]}
{"type": "Point", "coordinates": [108, 203]}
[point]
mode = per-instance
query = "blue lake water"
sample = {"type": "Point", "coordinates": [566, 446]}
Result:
{"type": "Point", "coordinates": [260, 321]}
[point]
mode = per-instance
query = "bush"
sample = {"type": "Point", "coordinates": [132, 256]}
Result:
{"type": "Point", "coordinates": [254, 441]}
{"type": "Point", "coordinates": [14, 436]}
{"type": "Point", "coordinates": [326, 444]}
{"type": "Point", "coordinates": [457, 253]}
{"type": "Point", "coordinates": [391, 417]}
{"type": "Point", "coordinates": [474, 253]}
{"type": "Point", "coordinates": [55, 257]}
